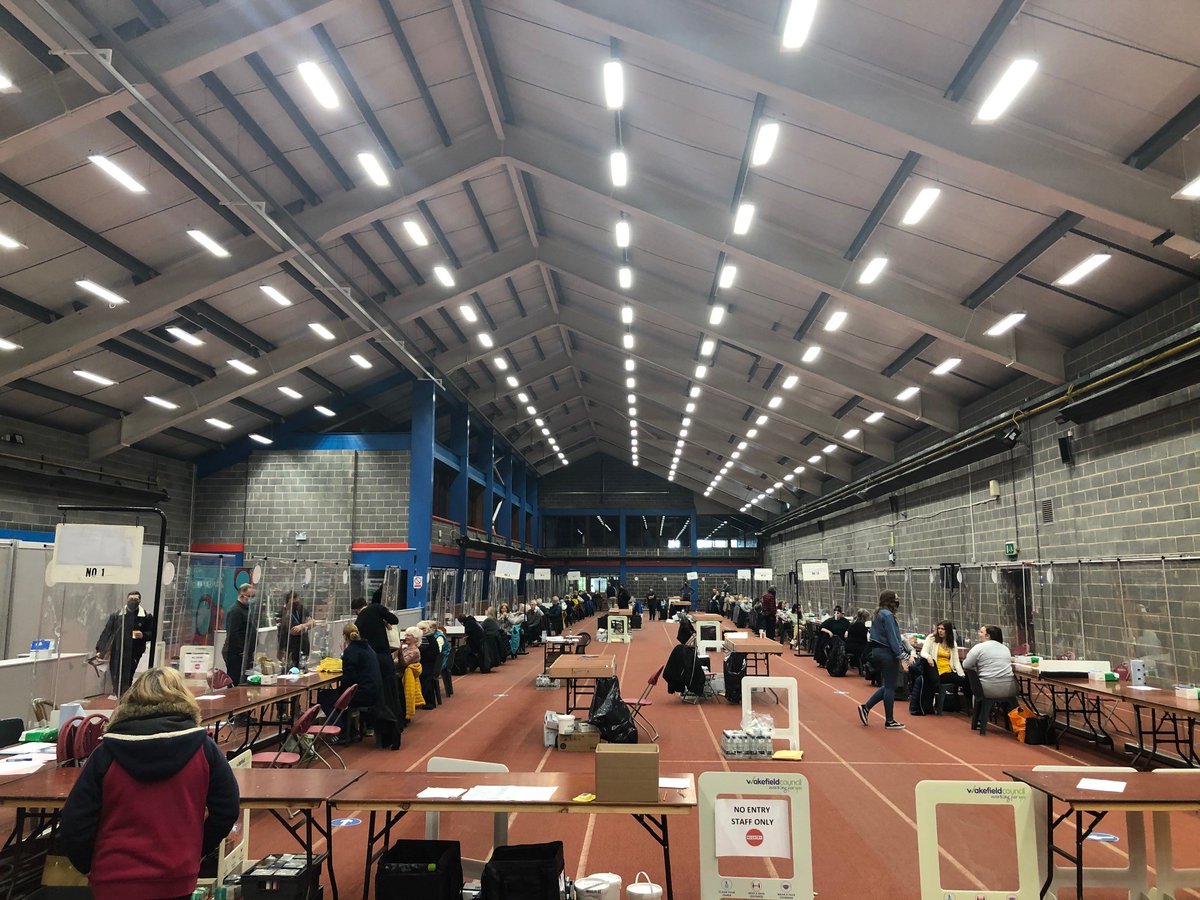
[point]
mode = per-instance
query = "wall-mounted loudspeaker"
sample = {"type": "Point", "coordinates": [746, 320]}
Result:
{"type": "Point", "coordinates": [1064, 450]}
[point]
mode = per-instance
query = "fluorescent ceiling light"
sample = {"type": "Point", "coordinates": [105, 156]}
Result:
{"type": "Point", "coordinates": [775, 402]}
{"type": "Point", "coordinates": [811, 353]}
{"type": "Point", "coordinates": [689, 407]}
{"type": "Point", "coordinates": [707, 347]}
{"type": "Point", "coordinates": [631, 382]}
{"type": "Point", "coordinates": [874, 417]}
{"type": "Point", "coordinates": [694, 392]}
{"type": "Point", "coordinates": [829, 448]}
{"type": "Point", "coordinates": [764, 143]}
{"type": "Point", "coordinates": [117, 174]}
{"type": "Point", "coordinates": [94, 378]}
{"type": "Point", "coordinates": [632, 424]}
{"type": "Point", "coordinates": [944, 367]}
{"type": "Point", "coordinates": [500, 363]}
{"type": "Point", "coordinates": [769, 491]}
{"type": "Point", "coordinates": [1083, 269]}
{"type": "Point", "coordinates": [625, 277]}
{"type": "Point", "coordinates": [325, 411]}
{"type": "Point", "coordinates": [679, 443]}
{"type": "Point", "coordinates": [761, 420]}
{"type": "Point", "coordinates": [873, 270]}
{"type": "Point", "coordinates": [614, 84]}
{"type": "Point", "coordinates": [532, 410]}
{"type": "Point", "coordinates": [275, 294]}
{"type": "Point", "coordinates": [618, 167]}
{"type": "Point", "coordinates": [186, 336]}
{"type": "Point", "coordinates": [752, 433]}
{"type": "Point", "coordinates": [1015, 77]}
{"type": "Point", "coordinates": [743, 218]}
{"type": "Point", "coordinates": [6, 83]}
{"type": "Point", "coordinates": [1189, 191]}
{"type": "Point", "coordinates": [442, 274]}
{"type": "Point", "coordinates": [836, 320]}
{"type": "Point", "coordinates": [291, 392]}
{"type": "Point", "coordinates": [546, 431]}
{"type": "Point", "coordinates": [373, 169]}
{"type": "Point", "coordinates": [219, 423]}
{"type": "Point", "coordinates": [742, 445]}
{"type": "Point", "coordinates": [415, 234]}
{"type": "Point", "coordinates": [701, 371]}
{"type": "Point", "coordinates": [797, 470]}
{"type": "Point", "coordinates": [798, 22]}
{"type": "Point", "coordinates": [622, 233]}
{"type": "Point", "coordinates": [259, 439]}
{"type": "Point", "coordinates": [789, 477]}
{"type": "Point", "coordinates": [633, 411]}
{"type": "Point", "coordinates": [631, 399]}
{"type": "Point", "coordinates": [908, 393]}
{"type": "Point", "coordinates": [6, 344]}
{"type": "Point", "coordinates": [321, 330]}
{"type": "Point", "coordinates": [777, 485]}
{"type": "Point", "coordinates": [728, 274]}
{"type": "Point", "coordinates": [790, 382]}
{"type": "Point", "coordinates": [522, 397]}
{"type": "Point", "coordinates": [486, 339]}
{"type": "Point", "coordinates": [9, 243]}
{"type": "Point", "coordinates": [683, 432]}
{"type": "Point", "coordinates": [627, 315]}
{"type": "Point", "coordinates": [321, 87]}
{"type": "Point", "coordinates": [852, 434]}
{"type": "Point", "coordinates": [468, 313]}
{"type": "Point", "coordinates": [814, 459]}
{"type": "Point", "coordinates": [686, 422]}
{"type": "Point", "coordinates": [735, 454]}
{"type": "Point", "coordinates": [207, 243]}
{"type": "Point", "coordinates": [512, 381]}
{"type": "Point", "coordinates": [159, 401]}
{"type": "Point", "coordinates": [102, 292]}
{"type": "Point", "coordinates": [627, 341]}
{"type": "Point", "coordinates": [1005, 324]}
{"type": "Point", "coordinates": [242, 367]}
{"type": "Point", "coordinates": [716, 314]}
{"type": "Point", "coordinates": [630, 365]}
{"type": "Point", "coordinates": [359, 360]}
{"type": "Point", "coordinates": [925, 198]}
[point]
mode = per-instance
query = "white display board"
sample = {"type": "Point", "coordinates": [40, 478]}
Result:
{"type": "Point", "coordinates": [508, 570]}
{"type": "Point", "coordinates": [755, 814]}
{"type": "Point", "coordinates": [814, 571]}
{"type": "Point", "coordinates": [574, 576]}
{"type": "Point", "coordinates": [96, 554]}
{"type": "Point", "coordinates": [196, 660]}
{"type": "Point", "coordinates": [764, 575]}
{"type": "Point", "coordinates": [693, 576]}
{"type": "Point", "coordinates": [618, 629]}
{"type": "Point", "coordinates": [541, 574]}
{"type": "Point", "coordinates": [744, 574]}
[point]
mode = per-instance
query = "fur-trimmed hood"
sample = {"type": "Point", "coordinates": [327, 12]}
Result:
{"type": "Point", "coordinates": [152, 743]}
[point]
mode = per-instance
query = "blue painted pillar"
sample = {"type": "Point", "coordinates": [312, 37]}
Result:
{"type": "Point", "coordinates": [420, 530]}
{"type": "Point", "coordinates": [520, 474]}
{"type": "Point", "coordinates": [504, 522]}
{"type": "Point", "coordinates": [621, 535]}
{"type": "Point", "coordinates": [532, 498]}
{"type": "Point", "coordinates": [460, 503]}
{"type": "Point", "coordinates": [487, 453]}
{"type": "Point", "coordinates": [692, 535]}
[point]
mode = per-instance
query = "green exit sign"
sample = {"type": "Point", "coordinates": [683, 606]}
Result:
{"type": "Point", "coordinates": [1010, 549]}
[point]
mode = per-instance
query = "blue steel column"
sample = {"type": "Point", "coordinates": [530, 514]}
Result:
{"type": "Point", "coordinates": [520, 473]}
{"type": "Point", "coordinates": [487, 453]}
{"type": "Point", "coordinates": [420, 529]}
{"type": "Point", "coordinates": [692, 536]}
{"type": "Point", "coordinates": [533, 498]}
{"type": "Point", "coordinates": [506, 475]}
{"type": "Point", "coordinates": [460, 504]}
{"type": "Point", "coordinates": [621, 533]}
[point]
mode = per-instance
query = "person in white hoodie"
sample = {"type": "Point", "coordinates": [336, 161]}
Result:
{"type": "Point", "coordinates": [940, 652]}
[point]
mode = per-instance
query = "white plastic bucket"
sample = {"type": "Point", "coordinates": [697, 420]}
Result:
{"type": "Point", "coordinates": [566, 725]}
{"type": "Point", "coordinates": [643, 890]}
{"type": "Point", "coordinates": [601, 886]}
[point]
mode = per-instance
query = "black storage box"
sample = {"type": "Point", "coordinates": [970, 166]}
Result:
{"type": "Point", "coordinates": [420, 870]}
{"type": "Point", "coordinates": [524, 872]}
{"type": "Point", "coordinates": [283, 876]}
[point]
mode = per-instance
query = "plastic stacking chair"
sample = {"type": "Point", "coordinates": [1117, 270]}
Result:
{"type": "Point", "coordinates": [638, 704]}
{"type": "Point", "coordinates": [333, 727]}
{"type": "Point", "coordinates": [584, 639]}
{"type": "Point", "coordinates": [288, 759]}
{"type": "Point", "coordinates": [66, 741]}
{"type": "Point", "coordinates": [87, 736]}
{"type": "Point", "coordinates": [472, 868]}
{"type": "Point", "coordinates": [219, 679]}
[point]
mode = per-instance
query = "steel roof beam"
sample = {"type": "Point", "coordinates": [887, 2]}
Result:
{"type": "Point", "coordinates": [1004, 14]}
{"type": "Point", "coordinates": [66, 398]}
{"type": "Point", "coordinates": [883, 204]}
{"type": "Point", "coordinates": [410, 59]}
{"type": "Point", "coordinates": [510, 333]}
{"type": "Point", "coordinates": [1171, 133]}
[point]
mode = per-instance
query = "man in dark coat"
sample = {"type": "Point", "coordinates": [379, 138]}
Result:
{"type": "Point", "coordinates": [123, 641]}
{"type": "Point", "coordinates": [241, 635]}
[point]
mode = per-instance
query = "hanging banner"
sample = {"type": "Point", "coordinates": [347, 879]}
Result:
{"type": "Point", "coordinates": [764, 574]}
{"type": "Point", "coordinates": [508, 570]}
{"type": "Point", "coordinates": [541, 574]}
{"type": "Point", "coordinates": [744, 574]}
{"type": "Point", "coordinates": [814, 571]}
{"type": "Point", "coordinates": [574, 576]}
{"type": "Point", "coordinates": [752, 828]}
{"type": "Point", "coordinates": [693, 576]}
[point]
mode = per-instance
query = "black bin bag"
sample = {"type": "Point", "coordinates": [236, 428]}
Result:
{"type": "Point", "coordinates": [420, 870]}
{"type": "Point", "coordinates": [610, 715]}
{"type": "Point", "coordinates": [524, 872]}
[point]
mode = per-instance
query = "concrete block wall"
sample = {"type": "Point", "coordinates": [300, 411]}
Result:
{"type": "Point", "coordinates": [339, 497]}
{"type": "Point", "coordinates": [1099, 584]}
{"type": "Point", "coordinates": [30, 502]}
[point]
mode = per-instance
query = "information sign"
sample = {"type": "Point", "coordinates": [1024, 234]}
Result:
{"type": "Point", "coordinates": [814, 571]}
{"type": "Point", "coordinates": [744, 574]}
{"type": "Point", "coordinates": [764, 574]}
{"type": "Point", "coordinates": [541, 574]}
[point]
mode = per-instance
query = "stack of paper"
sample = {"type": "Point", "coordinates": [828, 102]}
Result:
{"type": "Point", "coordinates": [509, 793]}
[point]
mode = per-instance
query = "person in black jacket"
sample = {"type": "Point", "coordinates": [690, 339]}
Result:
{"type": "Point", "coordinates": [155, 760]}
{"type": "Point", "coordinates": [295, 622]}
{"type": "Point", "coordinates": [359, 666]}
{"type": "Point", "coordinates": [123, 641]}
{"type": "Point", "coordinates": [372, 623]}
{"type": "Point", "coordinates": [241, 635]}
{"type": "Point", "coordinates": [476, 643]}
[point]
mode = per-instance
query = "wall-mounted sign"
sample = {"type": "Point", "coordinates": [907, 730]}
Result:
{"type": "Point", "coordinates": [814, 571]}
{"type": "Point", "coordinates": [744, 574]}
{"type": "Point", "coordinates": [541, 574]}
{"type": "Point", "coordinates": [764, 574]}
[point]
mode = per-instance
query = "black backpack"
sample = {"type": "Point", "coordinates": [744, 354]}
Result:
{"type": "Point", "coordinates": [837, 661]}
{"type": "Point", "coordinates": [735, 669]}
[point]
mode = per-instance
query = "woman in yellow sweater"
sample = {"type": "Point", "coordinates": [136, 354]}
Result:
{"type": "Point", "coordinates": [940, 652]}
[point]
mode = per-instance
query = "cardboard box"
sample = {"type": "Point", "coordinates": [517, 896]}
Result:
{"type": "Point", "coordinates": [571, 666]}
{"type": "Point", "coordinates": [580, 741]}
{"type": "Point", "coordinates": [627, 773]}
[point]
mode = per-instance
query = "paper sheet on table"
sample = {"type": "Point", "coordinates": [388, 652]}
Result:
{"type": "Point", "coordinates": [1140, 687]}
{"type": "Point", "coordinates": [436, 793]}
{"type": "Point", "coordinates": [23, 765]}
{"type": "Point", "coordinates": [509, 793]}
{"type": "Point", "coordinates": [1101, 784]}
{"type": "Point", "coordinates": [29, 747]}
{"type": "Point", "coordinates": [211, 697]}
{"type": "Point", "coordinates": [678, 784]}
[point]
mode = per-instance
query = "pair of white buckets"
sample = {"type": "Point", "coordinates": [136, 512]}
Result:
{"type": "Point", "coordinates": [607, 886]}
